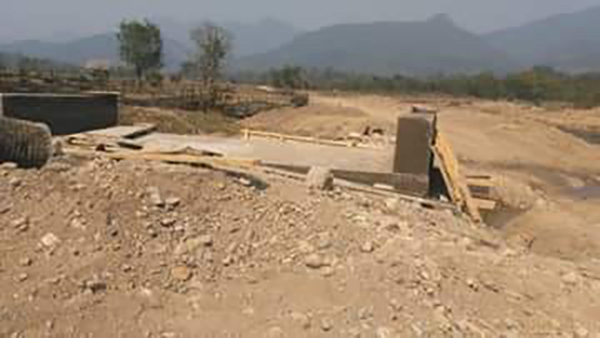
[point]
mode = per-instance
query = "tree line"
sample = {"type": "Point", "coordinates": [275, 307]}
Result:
{"type": "Point", "coordinates": [536, 85]}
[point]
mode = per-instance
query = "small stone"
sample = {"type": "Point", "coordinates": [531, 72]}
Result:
{"type": "Point", "coordinates": [396, 305]}
{"type": "Point", "coordinates": [181, 273]}
{"type": "Point", "coordinates": [305, 247]}
{"type": "Point", "coordinates": [327, 271]}
{"type": "Point", "coordinates": [21, 224]}
{"type": "Point", "coordinates": [326, 325]}
{"type": "Point", "coordinates": [368, 247]}
{"type": "Point", "coordinates": [245, 182]}
{"type": "Point", "coordinates": [95, 285]}
{"type": "Point", "coordinates": [580, 332]}
{"type": "Point", "coordinates": [22, 277]}
{"type": "Point", "coordinates": [384, 332]}
{"type": "Point", "coordinates": [320, 178]}
{"type": "Point", "coordinates": [473, 284]}
{"type": "Point", "coordinates": [324, 242]}
{"type": "Point", "coordinates": [155, 197]}
{"type": "Point", "coordinates": [50, 240]}
{"type": "Point", "coordinates": [168, 222]}
{"type": "Point", "coordinates": [206, 240]}
{"type": "Point", "coordinates": [275, 332]}
{"type": "Point", "coordinates": [314, 261]}
{"type": "Point", "coordinates": [4, 209]}
{"type": "Point", "coordinates": [172, 202]}
{"type": "Point", "coordinates": [77, 223]}
{"type": "Point", "coordinates": [570, 278]}
{"type": "Point", "coordinates": [365, 313]}
{"type": "Point", "coordinates": [391, 204]}
{"type": "Point", "coordinates": [25, 261]}
{"type": "Point", "coordinates": [302, 319]}
{"type": "Point", "coordinates": [227, 261]}
{"type": "Point", "coordinates": [15, 182]}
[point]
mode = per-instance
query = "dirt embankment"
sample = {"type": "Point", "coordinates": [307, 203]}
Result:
{"type": "Point", "coordinates": [108, 249]}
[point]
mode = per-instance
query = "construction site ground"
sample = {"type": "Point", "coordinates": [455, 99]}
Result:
{"type": "Point", "coordinates": [103, 248]}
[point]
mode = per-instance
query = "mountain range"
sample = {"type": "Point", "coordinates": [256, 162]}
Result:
{"type": "Point", "coordinates": [568, 42]}
{"type": "Point", "coordinates": [426, 47]}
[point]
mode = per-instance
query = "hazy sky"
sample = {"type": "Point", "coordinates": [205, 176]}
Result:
{"type": "Point", "coordinates": [71, 18]}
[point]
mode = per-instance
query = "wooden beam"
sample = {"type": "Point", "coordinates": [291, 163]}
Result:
{"type": "Point", "coordinates": [484, 204]}
{"type": "Point", "coordinates": [247, 134]}
{"type": "Point", "coordinates": [457, 186]}
{"type": "Point", "coordinates": [169, 158]}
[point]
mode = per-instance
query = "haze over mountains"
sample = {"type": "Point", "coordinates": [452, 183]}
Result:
{"type": "Point", "coordinates": [426, 47]}
{"type": "Point", "coordinates": [569, 42]}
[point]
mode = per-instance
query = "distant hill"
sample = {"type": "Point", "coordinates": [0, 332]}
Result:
{"type": "Point", "coordinates": [569, 42]}
{"type": "Point", "coordinates": [419, 48]}
{"type": "Point", "coordinates": [97, 47]}
{"type": "Point", "coordinates": [260, 37]}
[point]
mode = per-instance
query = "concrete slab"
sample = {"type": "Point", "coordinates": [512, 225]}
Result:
{"type": "Point", "coordinates": [128, 132]}
{"type": "Point", "coordinates": [289, 152]}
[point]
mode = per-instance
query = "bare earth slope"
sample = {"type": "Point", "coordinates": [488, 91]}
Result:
{"type": "Point", "coordinates": [127, 249]}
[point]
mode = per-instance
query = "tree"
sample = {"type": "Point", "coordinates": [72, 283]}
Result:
{"type": "Point", "coordinates": [3, 62]}
{"type": "Point", "coordinates": [213, 45]}
{"type": "Point", "coordinates": [141, 46]}
{"type": "Point", "coordinates": [289, 77]}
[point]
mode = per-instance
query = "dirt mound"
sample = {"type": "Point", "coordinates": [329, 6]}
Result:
{"type": "Point", "coordinates": [315, 120]}
{"type": "Point", "coordinates": [132, 249]}
{"type": "Point", "coordinates": [179, 121]}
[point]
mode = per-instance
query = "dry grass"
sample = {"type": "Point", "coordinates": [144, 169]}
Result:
{"type": "Point", "coordinates": [180, 121]}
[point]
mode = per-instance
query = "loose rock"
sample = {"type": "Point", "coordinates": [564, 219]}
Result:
{"type": "Point", "coordinates": [315, 261]}
{"type": "Point", "coordinates": [320, 178]}
{"type": "Point", "coordinates": [155, 197]}
{"type": "Point", "coordinates": [50, 240]}
{"type": "Point", "coordinates": [368, 247]}
{"type": "Point", "coordinates": [181, 273]}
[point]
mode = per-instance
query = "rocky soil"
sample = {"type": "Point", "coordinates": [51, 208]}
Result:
{"type": "Point", "coordinates": [98, 248]}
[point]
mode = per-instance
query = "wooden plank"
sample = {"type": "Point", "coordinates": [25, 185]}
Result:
{"type": "Point", "coordinates": [128, 132]}
{"type": "Point", "coordinates": [169, 158]}
{"type": "Point", "coordinates": [480, 182]}
{"type": "Point", "coordinates": [457, 186]}
{"type": "Point", "coordinates": [247, 133]}
{"type": "Point", "coordinates": [484, 204]}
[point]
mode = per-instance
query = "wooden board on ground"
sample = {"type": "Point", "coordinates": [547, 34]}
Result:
{"type": "Point", "coordinates": [248, 134]}
{"type": "Point", "coordinates": [211, 161]}
{"type": "Point", "coordinates": [127, 132]}
{"type": "Point", "coordinates": [457, 186]}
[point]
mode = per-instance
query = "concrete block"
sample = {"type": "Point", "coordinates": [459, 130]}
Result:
{"type": "Point", "coordinates": [63, 113]}
{"type": "Point", "coordinates": [414, 139]}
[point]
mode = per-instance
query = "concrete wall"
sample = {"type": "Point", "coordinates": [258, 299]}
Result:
{"type": "Point", "coordinates": [64, 114]}
{"type": "Point", "coordinates": [413, 144]}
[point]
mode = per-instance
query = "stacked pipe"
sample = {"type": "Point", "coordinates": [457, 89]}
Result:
{"type": "Point", "coordinates": [27, 144]}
